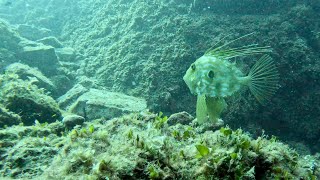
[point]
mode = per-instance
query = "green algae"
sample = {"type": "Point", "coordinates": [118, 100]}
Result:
{"type": "Point", "coordinates": [133, 147]}
{"type": "Point", "coordinates": [28, 100]}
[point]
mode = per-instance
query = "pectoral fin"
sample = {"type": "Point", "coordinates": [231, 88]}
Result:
{"type": "Point", "coordinates": [209, 106]}
{"type": "Point", "coordinates": [201, 110]}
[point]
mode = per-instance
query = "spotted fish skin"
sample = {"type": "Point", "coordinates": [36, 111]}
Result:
{"type": "Point", "coordinates": [214, 77]}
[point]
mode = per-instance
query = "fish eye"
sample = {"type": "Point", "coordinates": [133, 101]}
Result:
{"type": "Point", "coordinates": [211, 74]}
{"type": "Point", "coordinates": [193, 67]}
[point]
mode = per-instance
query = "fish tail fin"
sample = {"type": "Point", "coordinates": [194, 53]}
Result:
{"type": "Point", "coordinates": [264, 78]}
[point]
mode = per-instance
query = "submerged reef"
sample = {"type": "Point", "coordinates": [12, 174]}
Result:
{"type": "Point", "coordinates": [69, 71]}
{"type": "Point", "coordinates": [143, 48]}
{"type": "Point", "coordinates": [144, 146]}
{"type": "Point", "coordinates": [23, 97]}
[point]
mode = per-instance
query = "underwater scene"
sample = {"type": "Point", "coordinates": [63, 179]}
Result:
{"type": "Point", "coordinates": [160, 89]}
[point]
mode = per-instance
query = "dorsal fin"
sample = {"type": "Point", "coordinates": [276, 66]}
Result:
{"type": "Point", "coordinates": [240, 51]}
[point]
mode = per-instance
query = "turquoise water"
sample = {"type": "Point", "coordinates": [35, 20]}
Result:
{"type": "Point", "coordinates": [73, 62]}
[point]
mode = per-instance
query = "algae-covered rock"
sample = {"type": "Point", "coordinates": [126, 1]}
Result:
{"type": "Point", "coordinates": [8, 37]}
{"type": "Point", "coordinates": [144, 146]}
{"type": "Point", "coordinates": [71, 121]}
{"type": "Point", "coordinates": [51, 41]}
{"type": "Point", "coordinates": [40, 56]}
{"type": "Point", "coordinates": [66, 54]}
{"type": "Point", "coordinates": [25, 151]}
{"type": "Point", "coordinates": [9, 44]}
{"type": "Point", "coordinates": [100, 103]}
{"type": "Point", "coordinates": [32, 32]}
{"type": "Point", "coordinates": [181, 117]}
{"type": "Point", "coordinates": [26, 72]}
{"type": "Point", "coordinates": [136, 147]}
{"type": "Point", "coordinates": [6, 57]}
{"type": "Point", "coordinates": [71, 96]}
{"type": "Point", "coordinates": [27, 100]}
{"type": "Point", "coordinates": [8, 118]}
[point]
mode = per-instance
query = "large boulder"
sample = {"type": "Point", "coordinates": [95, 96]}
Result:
{"type": "Point", "coordinates": [33, 32]}
{"type": "Point", "coordinates": [26, 72]}
{"type": "Point", "coordinates": [71, 96]}
{"type": "Point", "coordinates": [27, 100]}
{"type": "Point", "coordinates": [40, 56]}
{"type": "Point", "coordinates": [105, 104]}
{"type": "Point", "coordinates": [51, 41]}
{"type": "Point", "coordinates": [6, 57]}
{"type": "Point", "coordinates": [66, 54]}
{"type": "Point", "coordinates": [8, 37]}
{"type": "Point", "coordinates": [9, 40]}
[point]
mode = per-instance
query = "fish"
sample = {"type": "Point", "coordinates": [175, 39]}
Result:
{"type": "Point", "coordinates": [214, 77]}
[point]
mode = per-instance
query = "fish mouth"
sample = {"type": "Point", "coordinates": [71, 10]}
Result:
{"type": "Point", "coordinates": [185, 78]}
{"type": "Point", "coordinates": [189, 83]}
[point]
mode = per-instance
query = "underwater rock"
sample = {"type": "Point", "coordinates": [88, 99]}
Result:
{"type": "Point", "coordinates": [105, 104]}
{"type": "Point", "coordinates": [8, 37]}
{"type": "Point", "coordinates": [33, 109]}
{"type": "Point", "coordinates": [71, 96]}
{"type": "Point", "coordinates": [181, 117]}
{"type": "Point", "coordinates": [40, 56]}
{"type": "Point", "coordinates": [8, 118]}
{"type": "Point", "coordinates": [88, 82]}
{"type": "Point", "coordinates": [26, 72]}
{"type": "Point", "coordinates": [32, 32]}
{"type": "Point", "coordinates": [26, 150]}
{"type": "Point", "coordinates": [71, 121]}
{"type": "Point", "coordinates": [63, 82]}
{"type": "Point", "coordinates": [41, 109]}
{"type": "Point", "coordinates": [6, 57]}
{"type": "Point", "coordinates": [135, 147]}
{"type": "Point", "coordinates": [66, 54]}
{"type": "Point", "coordinates": [26, 99]}
{"type": "Point", "coordinates": [9, 44]}
{"type": "Point", "coordinates": [51, 41]}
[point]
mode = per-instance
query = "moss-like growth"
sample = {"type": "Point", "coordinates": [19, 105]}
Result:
{"type": "Point", "coordinates": [132, 147]}
{"type": "Point", "coordinates": [26, 99]}
{"type": "Point", "coordinates": [8, 118]}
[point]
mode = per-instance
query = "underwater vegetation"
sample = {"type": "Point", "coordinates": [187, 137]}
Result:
{"type": "Point", "coordinates": [24, 99]}
{"type": "Point", "coordinates": [144, 146]}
